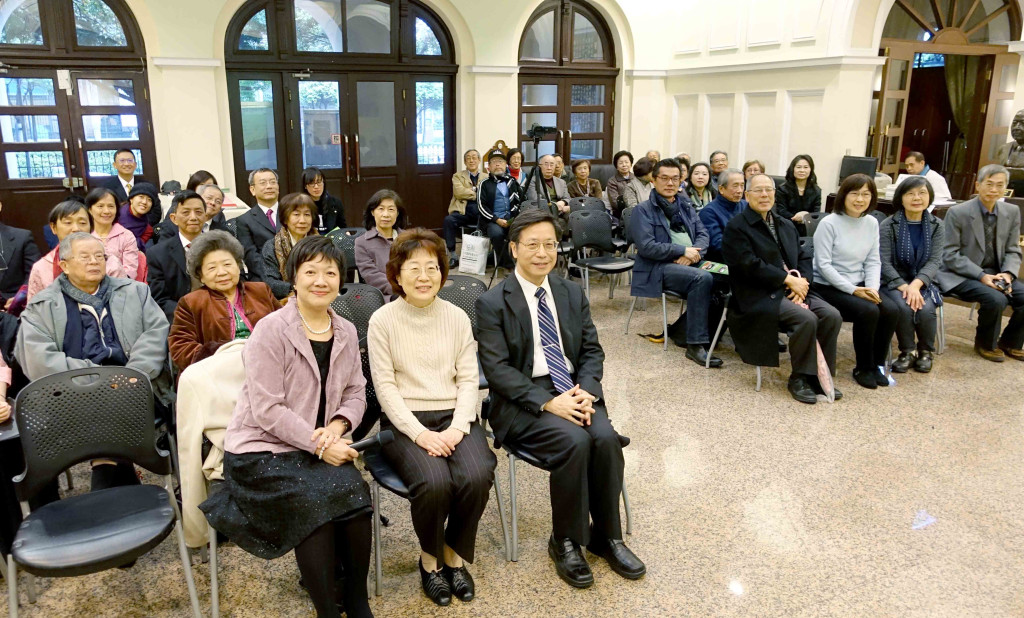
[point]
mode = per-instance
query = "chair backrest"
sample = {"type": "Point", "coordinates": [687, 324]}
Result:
{"type": "Point", "coordinates": [811, 221]}
{"type": "Point", "coordinates": [878, 214]}
{"type": "Point", "coordinates": [346, 231]}
{"type": "Point", "coordinates": [586, 203]}
{"type": "Point", "coordinates": [356, 303]}
{"type": "Point", "coordinates": [231, 226]}
{"type": "Point", "coordinates": [808, 243]}
{"type": "Point", "coordinates": [462, 291]}
{"type": "Point", "coordinates": [84, 414]}
{"type": "Point", "coordinates": [626, 214]}
{"type": "Point", "coordinates": [347, 243]}
{"type": "Point", "coordinates": [373, 409]}
{"type": "Point", "coordinates": [591, 229]}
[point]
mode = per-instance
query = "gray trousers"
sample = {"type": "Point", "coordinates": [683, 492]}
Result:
{"type": "Point", "coordinates": [819, 324]}
{"type": "Point", "coordinates": [923, 323]}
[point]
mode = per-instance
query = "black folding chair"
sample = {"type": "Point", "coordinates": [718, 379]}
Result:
{"type": "Point", "coordinates": [592, 229]}
{"type": "Point", "coordinates": [462, 291]}
{"type": "Point", "coordinates": [76, 416]}
{"type": "Point", "coordinates": [811, 221]}
{"type": "Point", "coordinates": [346, 241]}
{"type": "Point", "coordinates": [231, 227]}
{"type": "Point", "coordinates": [586, 203]}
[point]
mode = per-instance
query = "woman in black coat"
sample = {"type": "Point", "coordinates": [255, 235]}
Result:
{"type": "Point", "coordinates": [770, 275]}
{"type": "Point", "coordinates": [330, 208]}
{"type": "Point", "coordinates": [800, 193]}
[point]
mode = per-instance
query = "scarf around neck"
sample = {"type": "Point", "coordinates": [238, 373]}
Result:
{"type": "Point", "coordinates": [97, 301]}
{"type": "Point", "coordinates": [669, 209]}
{"type": "Point", "coordinates": [913, 261]}
{"type": "Point", "coordinates": [283, 245]}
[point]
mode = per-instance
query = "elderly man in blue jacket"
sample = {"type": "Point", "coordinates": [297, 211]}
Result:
{"type": "Point", "coordinates": [671, 242]}
{"type": "Point", "coordinates": [722, 209]}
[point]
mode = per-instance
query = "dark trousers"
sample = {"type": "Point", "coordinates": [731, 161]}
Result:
{"type": "Point", "coordinates": [818, 324]}
{"type": "Point", "coordinates": [922, 323]}
{"type": "Point", "coordinates": [453, 488]}
{"type": "Point", "coordinates": [454, 221]}
{"type": "Point", "coordinates": [694, 285]}
{"type": "Point", "coordinates": [499, 243]}
{"type": "Point", "coordinates": [586, 466]}
{"type": "Point", "coordinates": [873, 325]}
{"type": "Point", "coordinates": [990, 315]}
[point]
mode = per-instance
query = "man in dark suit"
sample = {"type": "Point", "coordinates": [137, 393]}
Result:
{"type": "Point", "coordinates": [770, 277]}
{"type": "Point", "coordinates": [168, 277]}
{"type": "Point", "coordinates": [980, 263]}
{"type": "Point", "coordinates": [215, 219]}
{"type": "Point", "coordinates": [260, 224]}
{"type": "Point", "coordinates": [122, 182]}
{"type": "Point", "coordinates": [18, 252]}
{"type": "Point", "coordinates": [540, 353]}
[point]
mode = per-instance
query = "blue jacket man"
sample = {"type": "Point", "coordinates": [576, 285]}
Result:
{"type": "Point", "coordinates": [722, 209]}
{"type": "Point", "coordinates": [671, 241]}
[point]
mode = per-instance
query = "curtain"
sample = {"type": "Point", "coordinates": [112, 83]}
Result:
{"type": "Point", "coordinates": [961, 83]}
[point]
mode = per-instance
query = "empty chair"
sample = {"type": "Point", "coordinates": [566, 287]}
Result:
{"type": "Point", "coordinates": [346, 241]}
{"type": "Point", "coordinates": [593, 230]}
{"type": "Point", "coordinates": [811, 221]}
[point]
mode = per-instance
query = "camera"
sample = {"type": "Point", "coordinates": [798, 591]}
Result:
{"type": "Point", "coordinates": [537, 132]}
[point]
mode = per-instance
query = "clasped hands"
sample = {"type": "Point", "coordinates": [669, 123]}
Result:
{"type": "Point", "coordinates": [330, 446]}
{"type": "Point", "coordinates": [692, 256]}
{"type": "Point", "coordinates": [912, 294]}
{"type": "Point", "coordinates": [798, 288]}
{"type": "Point", "coordinates": [868, 294]}
{"type": "Point", "coordinates": [574, 405]}
{"type": "Point", "coordinates": [990, 281]}
{"type": "Point", "coordinates": [439, 443]}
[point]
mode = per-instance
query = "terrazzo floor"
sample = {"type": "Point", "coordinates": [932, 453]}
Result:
{"type": "Point", "coordinates": [902, 501]}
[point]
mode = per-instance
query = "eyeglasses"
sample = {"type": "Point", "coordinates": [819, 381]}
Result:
{"type": "Point", "coordinates": [265, 183]}
{"type": "Point", "coordinates": [86, 258]}
{"type": "Point", "coordinates": [763, 190]}
{"type": "Point", "coordinates": [385, 210]}
{"type": "Point", "coordinates": [533, 246]}
{"type": "Point", "coordinates": [432, 271]}
{"type": "Point", "coordinates": [316, 183]}
{"type": "Point", "coordinates": [664, 178]}
{"type": "Point", "coordinates": [125, 161]}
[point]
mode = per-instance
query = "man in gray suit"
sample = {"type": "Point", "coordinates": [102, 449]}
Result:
{"type": "Point", "coordinates": [980, 261]}
{"type": "Point", "coordinates": [556, 200]}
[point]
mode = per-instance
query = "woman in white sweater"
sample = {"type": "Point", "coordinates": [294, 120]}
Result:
{"type": "Point", "coordinates": [424, 367]}
{"type": "Point", "coordinates": [847, 274]}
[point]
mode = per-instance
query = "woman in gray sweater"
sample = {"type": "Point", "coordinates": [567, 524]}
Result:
{"type": "Point", "coordinates": [910, 244]}
{"type": "Point", "coordinates": [847, 274]}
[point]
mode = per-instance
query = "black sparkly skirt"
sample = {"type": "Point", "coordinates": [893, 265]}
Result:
{"type": "Point", "coordinates": [271, 502]}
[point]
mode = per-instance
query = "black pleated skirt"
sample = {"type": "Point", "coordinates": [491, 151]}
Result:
{"type": "Point", "coordinates": [272, 501]}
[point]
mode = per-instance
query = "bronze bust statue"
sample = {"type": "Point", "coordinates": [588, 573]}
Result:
{"type": "Point", "coordinates": [1011, 154]}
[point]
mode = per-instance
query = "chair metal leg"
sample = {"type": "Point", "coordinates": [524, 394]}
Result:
{"type": "Point", "coordinates": [629, 511]}
{"type": "Point", "coordinates": [67, 477]}
{"type": "Point", "coordinates": [970, 316]}
{"type": "Point", "coordinates": [629, 316]}
{"type": "Point", "coordinates": [664, 323]}
{"type": "Point", "coordinates": [758, 387]}
{"type": "Point", "coordinates": [501, 516]}
{"type": "Point", "coordinates": [30, 580]}
{"type": "Point", "coordinates": [12, 587]}
{"type": "Point", "coordinates": [941, 338]}
{"type": "Point", "coordinates": [714, 341]}
{"type": "Point", "coordinates": [3, 565]}
{"type": "Point", "coordinates": [586, 280]}
{"type": "Point", "coordinates": [512, 503]}
{"type": "Point", "coordinates": [186, 562]}
{"type": "Point", "coordinates": [612, 280]}
{"type": "Point", "coordinates": [375, 496]}
{"type": "Point", "coordinates": [214, 582]}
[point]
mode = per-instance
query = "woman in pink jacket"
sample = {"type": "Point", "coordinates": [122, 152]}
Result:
{"type": "Point", "coordinates": [118, 241]}
{"type": "Point", "coordinates": [289, 478]}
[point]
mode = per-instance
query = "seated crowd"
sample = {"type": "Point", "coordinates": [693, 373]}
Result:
{"type": "Point", "coordinates": [127, 287]}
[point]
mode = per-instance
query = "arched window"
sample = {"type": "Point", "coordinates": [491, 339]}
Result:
{"type": "Point", "coordinates": [73, 93]}
{"type": "Point", "coordinates": [567, 82]}
{"type": "Point", "coordinates": [361, 89]}
{"type": "Point", "coordinates": [948, 21]}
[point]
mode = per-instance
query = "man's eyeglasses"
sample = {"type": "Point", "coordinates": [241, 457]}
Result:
{"type": "Point", "coordinates": [763, 190]}
{"type": "Point", "coordinates": [534, 246]}
{"type": "Point", "coordinates": [672, 179]}
{"type": "Point", "coordinates": [265, 183]}
{"type": "Point", "coordinates": [87, 258]}
{"type": "Point", "coordinates": [125, 161]}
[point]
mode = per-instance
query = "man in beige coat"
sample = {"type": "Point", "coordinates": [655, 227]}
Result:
{"type": "Point", "coordinates": [463, 211]}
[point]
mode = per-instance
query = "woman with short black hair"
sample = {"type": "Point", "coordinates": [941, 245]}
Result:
{"type": "Point", "coordinates": [384, 219]}
{"type": "Point", "coordinates": [800, 194]}
{"type": "Point", "coordinates": [330, 210]}
{"type": "Point", "coordinates": [297, 214]}
{"type": "Point", "coordinates": [699, 189]}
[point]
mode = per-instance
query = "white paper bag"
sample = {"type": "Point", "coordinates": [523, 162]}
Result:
{"type": "Point", "coordinates": [473, 259]}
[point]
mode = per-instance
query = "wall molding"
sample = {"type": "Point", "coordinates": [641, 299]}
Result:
{"type": "Point", "coordinates": [194, 63]}
{"type": "Point", "coordinates": [499, 70]}
{"type": "Point", "coordinates": [775, 65]}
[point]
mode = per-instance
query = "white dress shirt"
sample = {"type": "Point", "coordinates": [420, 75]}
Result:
{"type": "Point", "coordinates": [126, 184]}
{"type": "Point", "coordinates": [540, 362]}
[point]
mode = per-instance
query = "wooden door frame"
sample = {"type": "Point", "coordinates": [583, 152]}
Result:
{"type": "Point", "coordinates": [237, 138]}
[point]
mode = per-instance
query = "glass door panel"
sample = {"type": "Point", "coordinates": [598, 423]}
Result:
{"type": "Point", "coordinates": [430, 123]}
{"type": "Point", "coordinates": [375, 124]}
{"type": "Point", "coordinates": [259, 132]}
{"type": "Point", "coordinates": [892, 108]}
{"type": "Point", "coordinates": [378, 121]}
{"type": "Point", "coordinates": [320, 121]}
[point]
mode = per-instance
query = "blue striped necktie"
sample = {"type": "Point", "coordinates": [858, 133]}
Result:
{"type": "Point", "coordinates": [560, 375]}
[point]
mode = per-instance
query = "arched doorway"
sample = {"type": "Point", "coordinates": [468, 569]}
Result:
{"type": "Point", "coordinates": [60, 127]}
{"type": "Point", "coordinates": [362, 89]}
{"type": "Point", "coordinates": [567, 70]}
{"type": "Point", "coordinates": [948, 83]}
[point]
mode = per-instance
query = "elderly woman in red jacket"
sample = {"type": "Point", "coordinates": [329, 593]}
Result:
{"type": "Point", "coordinates": [289, 478]}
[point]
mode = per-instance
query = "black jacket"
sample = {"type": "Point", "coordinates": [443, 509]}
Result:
{"type": "Point", "coordinates": [253, 231]}
{"type": "Point", "coordinates": [485, 198]}
{"type": "Point", "coordinates": [331, 213]}
{"type": "Point", "coordinates": [19, 253]}
{"type": "Point", "coordinates": [756, 276]}
{"type": "Point", "coordinates": [788, 200]}
{"type": "Point", "coordinates": [114, 184]}
{"type": "Point", "coordinates": [272, 272]}
{"type": "Point", "coordinates": [168, 276]}
{"type": "Point", "coordinates": [505, 333]}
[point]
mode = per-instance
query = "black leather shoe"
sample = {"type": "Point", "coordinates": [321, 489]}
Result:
{"type": "Point", "coordinates": [801, 390]}
{"type": "Point", "coordinates": [816, 385]}
{"type": "Point", "coordinates": [572, 567]}
{"type": "Point", "coordinates": [866, 378]}
{"type": "Point", "coordinates": [620, 558]}
{"type": "Point", "coordinates": [880, 378]}
{"type": "Point", "coordinates": [461, 582]}
{"type": "Point", "coordinates": [435, 586]}
{"type": "Point", "coordinates": [782, 346]}
{"type": "Point", "coordinates": [902, 364]}
{"type": "Point", "coordinates": [699, 355]}
{"type": "Point", "coordinates": [923, 364]}
{"type": "Point", "coordinates": [453, 261]}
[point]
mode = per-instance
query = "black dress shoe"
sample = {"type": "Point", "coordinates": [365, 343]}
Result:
{"type": "Point", "coordinates": [699, 355]}
{"type": "Point", "coordinates": [572, 567]}
{"type": "Point", "coordinates": [461, 582]}
{"type": "Point", "coordinates": [866, 378]}
{"type": "Point", "coordinates": [818, 390]}
{"type": "Point", "coordinates": [902, 364]}
{"type": "Point", "coordinates": [453, 261]}
{"type": "Point", "coordinates": [435, 586]}
{"type": "Point", "coordinates": [620, 558]}
{"type": "Point", "coordinates": [801, 390]}
{"type": "Point", "coordinates": [923, 364]}
{"type": "Point", "coordinates": [782, 346]}
{"type": "Point", "coordinates": [880, 378]}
